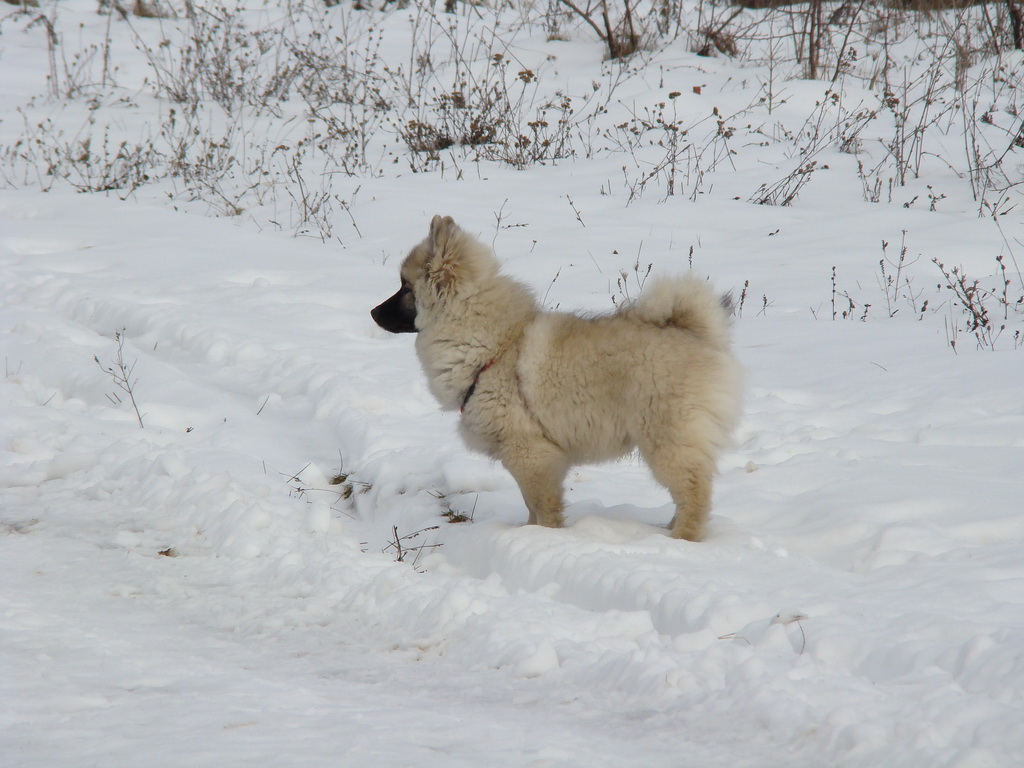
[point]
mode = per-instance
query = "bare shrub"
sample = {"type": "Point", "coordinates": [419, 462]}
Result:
{"type": "Point", "coordinates": [89, 161]}
{"type": "Point", "coordinates": [896, 281]}
{"type": "Point", "coordinates": [461, 94]}
{"type": "Point", "coordinates": [620, 37]}
{"type": "Point", "coordinates": [830, 125]}
{"type": "Point", "coordinates": [986, 311]}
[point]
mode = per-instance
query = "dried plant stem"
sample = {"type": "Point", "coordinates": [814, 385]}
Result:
{"type": "Point", "coordinates": [121, 373]}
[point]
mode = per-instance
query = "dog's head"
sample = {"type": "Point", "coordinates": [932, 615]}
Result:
{"type": "Point", "coordinates": [435, 271]}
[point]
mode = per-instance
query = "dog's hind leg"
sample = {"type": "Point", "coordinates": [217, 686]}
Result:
{"type": "Point", "coordinates": [540, 470]}
{"type": "Point", "coordinates": [687, 472]}
{"type": "Point", "coordinates": [693, 505]}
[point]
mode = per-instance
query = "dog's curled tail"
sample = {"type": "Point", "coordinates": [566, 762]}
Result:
{"type": "Point", "coordinates": [689, 303]}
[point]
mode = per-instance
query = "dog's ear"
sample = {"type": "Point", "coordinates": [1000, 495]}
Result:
{"type": "Point", "coordinates": [441, 228]}
{"type": "Point", "coordinates": [445, 254]}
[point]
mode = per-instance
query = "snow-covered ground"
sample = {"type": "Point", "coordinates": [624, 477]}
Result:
{"type": "Point", "coordinates": [221, 585]}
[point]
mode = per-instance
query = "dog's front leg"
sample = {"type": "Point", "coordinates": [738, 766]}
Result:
{"type": "Point", "coordinates": [540, 470]}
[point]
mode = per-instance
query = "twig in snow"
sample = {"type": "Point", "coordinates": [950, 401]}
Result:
{"type": "Point", "coordinates": [402, 550]}
{"type": "Point", "coordinates": [121, 374]}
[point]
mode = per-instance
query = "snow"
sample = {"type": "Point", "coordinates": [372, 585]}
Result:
{"type": "Point", "coordinates": [223, 585]}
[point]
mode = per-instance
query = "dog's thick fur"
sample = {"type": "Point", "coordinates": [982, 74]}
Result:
{"type": "Point", "coordinates": [542, 391]}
